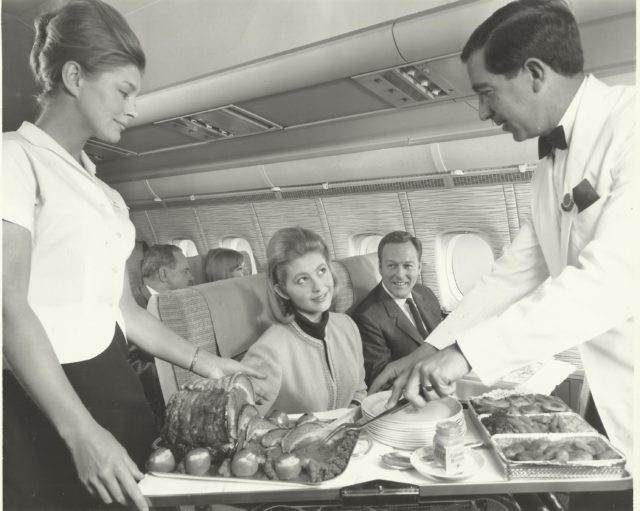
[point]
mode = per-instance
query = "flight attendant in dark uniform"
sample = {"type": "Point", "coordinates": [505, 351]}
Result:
{"type": "Point", "coordinates": [76, 421]}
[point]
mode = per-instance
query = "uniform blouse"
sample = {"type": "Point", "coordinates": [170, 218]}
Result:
{"type": "Point", "coordinates": [81, 238]}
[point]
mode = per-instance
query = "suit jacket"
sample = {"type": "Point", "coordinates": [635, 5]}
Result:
{"type": "Point", "coordinates": [386, 331]}
{"type": "Point", "coordinates": [568, 277]}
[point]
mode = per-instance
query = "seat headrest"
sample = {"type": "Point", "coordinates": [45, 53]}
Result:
{"type": "Point", "coordinates": [196, 265]}
{"type": "Point", "coordinates": [364, 275]}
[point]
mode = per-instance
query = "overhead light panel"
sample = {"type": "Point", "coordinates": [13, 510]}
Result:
{"type": "Point", "coordinates": [407, 85]}
{"type": "Point", "coordinates": [220, 123]}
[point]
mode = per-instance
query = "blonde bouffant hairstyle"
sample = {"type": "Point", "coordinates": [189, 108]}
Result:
{"type": "Point", "coordinates": [285, 246]}
{"type": "Point", "coordinates": [89, 32]}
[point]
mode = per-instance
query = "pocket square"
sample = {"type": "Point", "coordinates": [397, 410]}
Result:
{"type": "Point", "coordinates": [584, 195]}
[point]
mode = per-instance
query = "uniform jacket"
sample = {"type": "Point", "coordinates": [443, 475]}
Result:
{"type": "Point", "coordinates": [568, 277]}
{"type": "Point", "coordinates": [386, 331]}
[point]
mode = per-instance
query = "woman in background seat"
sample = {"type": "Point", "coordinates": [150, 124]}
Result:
{"type": "Point", "coordinates": [312, 357]}
{"type": "Point", "coordinates": [75, 419]}
{"type": "Point", "coordinates": [223, 263]}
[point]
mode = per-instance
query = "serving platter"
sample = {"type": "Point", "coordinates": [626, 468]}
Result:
{"type": "Point", "coordinates": [351, 445]}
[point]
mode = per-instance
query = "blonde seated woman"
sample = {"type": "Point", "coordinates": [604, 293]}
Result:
{"type": "Point", "coordinates": [312, 357]}
{"type": "Point", "coordinates": [223, 263]}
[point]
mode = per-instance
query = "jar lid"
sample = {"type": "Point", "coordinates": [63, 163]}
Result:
{"type": "Point", "coordinates": [449, 428]}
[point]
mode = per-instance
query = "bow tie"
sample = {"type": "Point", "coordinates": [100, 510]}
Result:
{"type": "Point", "coordinates": [555, 139]}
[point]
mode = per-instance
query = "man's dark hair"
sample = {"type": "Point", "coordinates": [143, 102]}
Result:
{"type": "Point", "coordinates": [156, 257]}
{"type": "Point", "coordinates": [523, 29]}
{"type": "Point", "coordinates": [399, 237]}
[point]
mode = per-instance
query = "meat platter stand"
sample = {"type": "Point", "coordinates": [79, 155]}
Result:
{"type": "Point", "coordinates": [366, 482]}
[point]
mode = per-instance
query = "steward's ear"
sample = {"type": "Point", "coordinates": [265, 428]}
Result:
{"type": "Point", "coordinates": [537, 71]}
{"type": "Point", "coordinates": [71, 75]}
{"type": "Point", "coordinates": [281, 292]}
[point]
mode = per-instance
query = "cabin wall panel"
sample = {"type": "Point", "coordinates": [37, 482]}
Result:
{"type": "Point", "coordinates": [325, 228]}
{"type": "Point", "coordinates": [219, 221]}
{"type": "Point", "coordinates": [144, 230]}
{"type": "Point", "coordinates": [359, 214]}
{"type": "Point", "coordinates": [523, 200]}
{"type": "Point", "coordinates": [458, 209]}
{"type": "Point", "coordinates": [512, 210]}
{"type": "Point", "coordinates": [169, 224]}
{"type": "Point", "coordinates": [274, 215]}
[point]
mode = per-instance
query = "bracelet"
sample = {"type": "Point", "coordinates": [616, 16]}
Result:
{"type": "Point", "coordinates": [195, 358]}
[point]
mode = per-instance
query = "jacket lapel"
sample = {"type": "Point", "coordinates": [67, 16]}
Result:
{"type": "Point", "coordinates": [430, 317]}
{"type": "Point", "coordinates": [585, 151]}
{"type": "Point", "coordinates": [397, 317]}
{"type": "Point", "coordinates": [546, 216]}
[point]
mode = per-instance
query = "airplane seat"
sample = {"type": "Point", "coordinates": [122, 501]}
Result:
{"type": "Point", "coordinates": [133, 270]}
{"type": "Point", "coordinates": [225, 317]}
{"type": "Point", "coordinates": [343, 290]}
{"type": "Point", "coordinates": [364, 275]}
{"type": "Point", "coordinates": [196, 265]}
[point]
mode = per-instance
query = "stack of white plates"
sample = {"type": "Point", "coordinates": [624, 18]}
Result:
{"type": "Point", "coordinates": [411, 427]}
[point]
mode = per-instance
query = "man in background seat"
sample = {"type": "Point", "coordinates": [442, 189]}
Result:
{"type": "Point", "coordinates": [396, 317]}
{"type": "Point", "coordinates": [164, 268]}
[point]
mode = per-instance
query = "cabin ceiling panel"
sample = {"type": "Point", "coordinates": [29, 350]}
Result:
{"type": "Point", "coordinates": [432, 123]}
{"type": "Point", "coordinates": [619, 33]}
{"type": "Point", "coordinates": [317, 103]}
{"type": "Point", "coordinates": [169, 224]}
{"type": "Point", "coordinates": [224, 220]}
{"type": "Point", "coordinates": [222, 33]}
{"type": "Point", "coordinates": [360, 214]}
{"type": "Point", "coordinates": [380, 163]}
{"type": "Point", "coordinates": [133, 191]}
{"type": "Point", "coordinates": [438, 211]}
{"type": "Point", "coordinates": [218, 181]}
{"type": "Point", "coordinates": [486, 152]}
{"type": "Point", "coordinates": [275, 215]}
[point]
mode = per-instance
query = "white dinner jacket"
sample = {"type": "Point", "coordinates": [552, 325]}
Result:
{"type": "Point", "coordinates": [568, 278]}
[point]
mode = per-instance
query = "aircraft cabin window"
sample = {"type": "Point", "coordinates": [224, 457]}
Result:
{"type": "Point", "coordinates": [365, 243]}
{"type": "Point", "coordinates": [461, 259]}
{"type": "Point", "coordinates": [187, 246]}
{"type": "Point", "coordinates": [242, 246]}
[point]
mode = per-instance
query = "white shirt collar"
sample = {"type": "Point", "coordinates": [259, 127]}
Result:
{"type": "Point", "coordinates": [400, 301]}
{"type": "Point", "coordinates": [41, 138]}
{"type": "Point", "coordinates": [152, 291]}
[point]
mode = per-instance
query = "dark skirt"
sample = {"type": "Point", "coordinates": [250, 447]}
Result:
{"type": "Point", "coordinates": [38, 470]}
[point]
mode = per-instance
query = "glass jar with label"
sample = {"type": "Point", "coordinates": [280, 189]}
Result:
{"type": "Point", "coordinates": [448, 446]}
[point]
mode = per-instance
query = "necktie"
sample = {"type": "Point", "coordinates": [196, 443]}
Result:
{"type": "Point", "coordinates": [417, 319]}
{"type": "Point", "coordinates": [555, 139]}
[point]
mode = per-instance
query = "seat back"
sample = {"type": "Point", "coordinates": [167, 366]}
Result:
{"type": "Point", "coordinates": [196, 265]}
{"type": "Point", "coordinates": [134, 273]}
{"type": "Point", "coordinates": [364, 274]}
{"type": "Point", "coordinates": [225, 317]}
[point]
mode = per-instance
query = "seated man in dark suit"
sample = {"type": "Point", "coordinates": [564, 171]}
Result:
{"type": "Point", "coordinates": [397, 315]}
